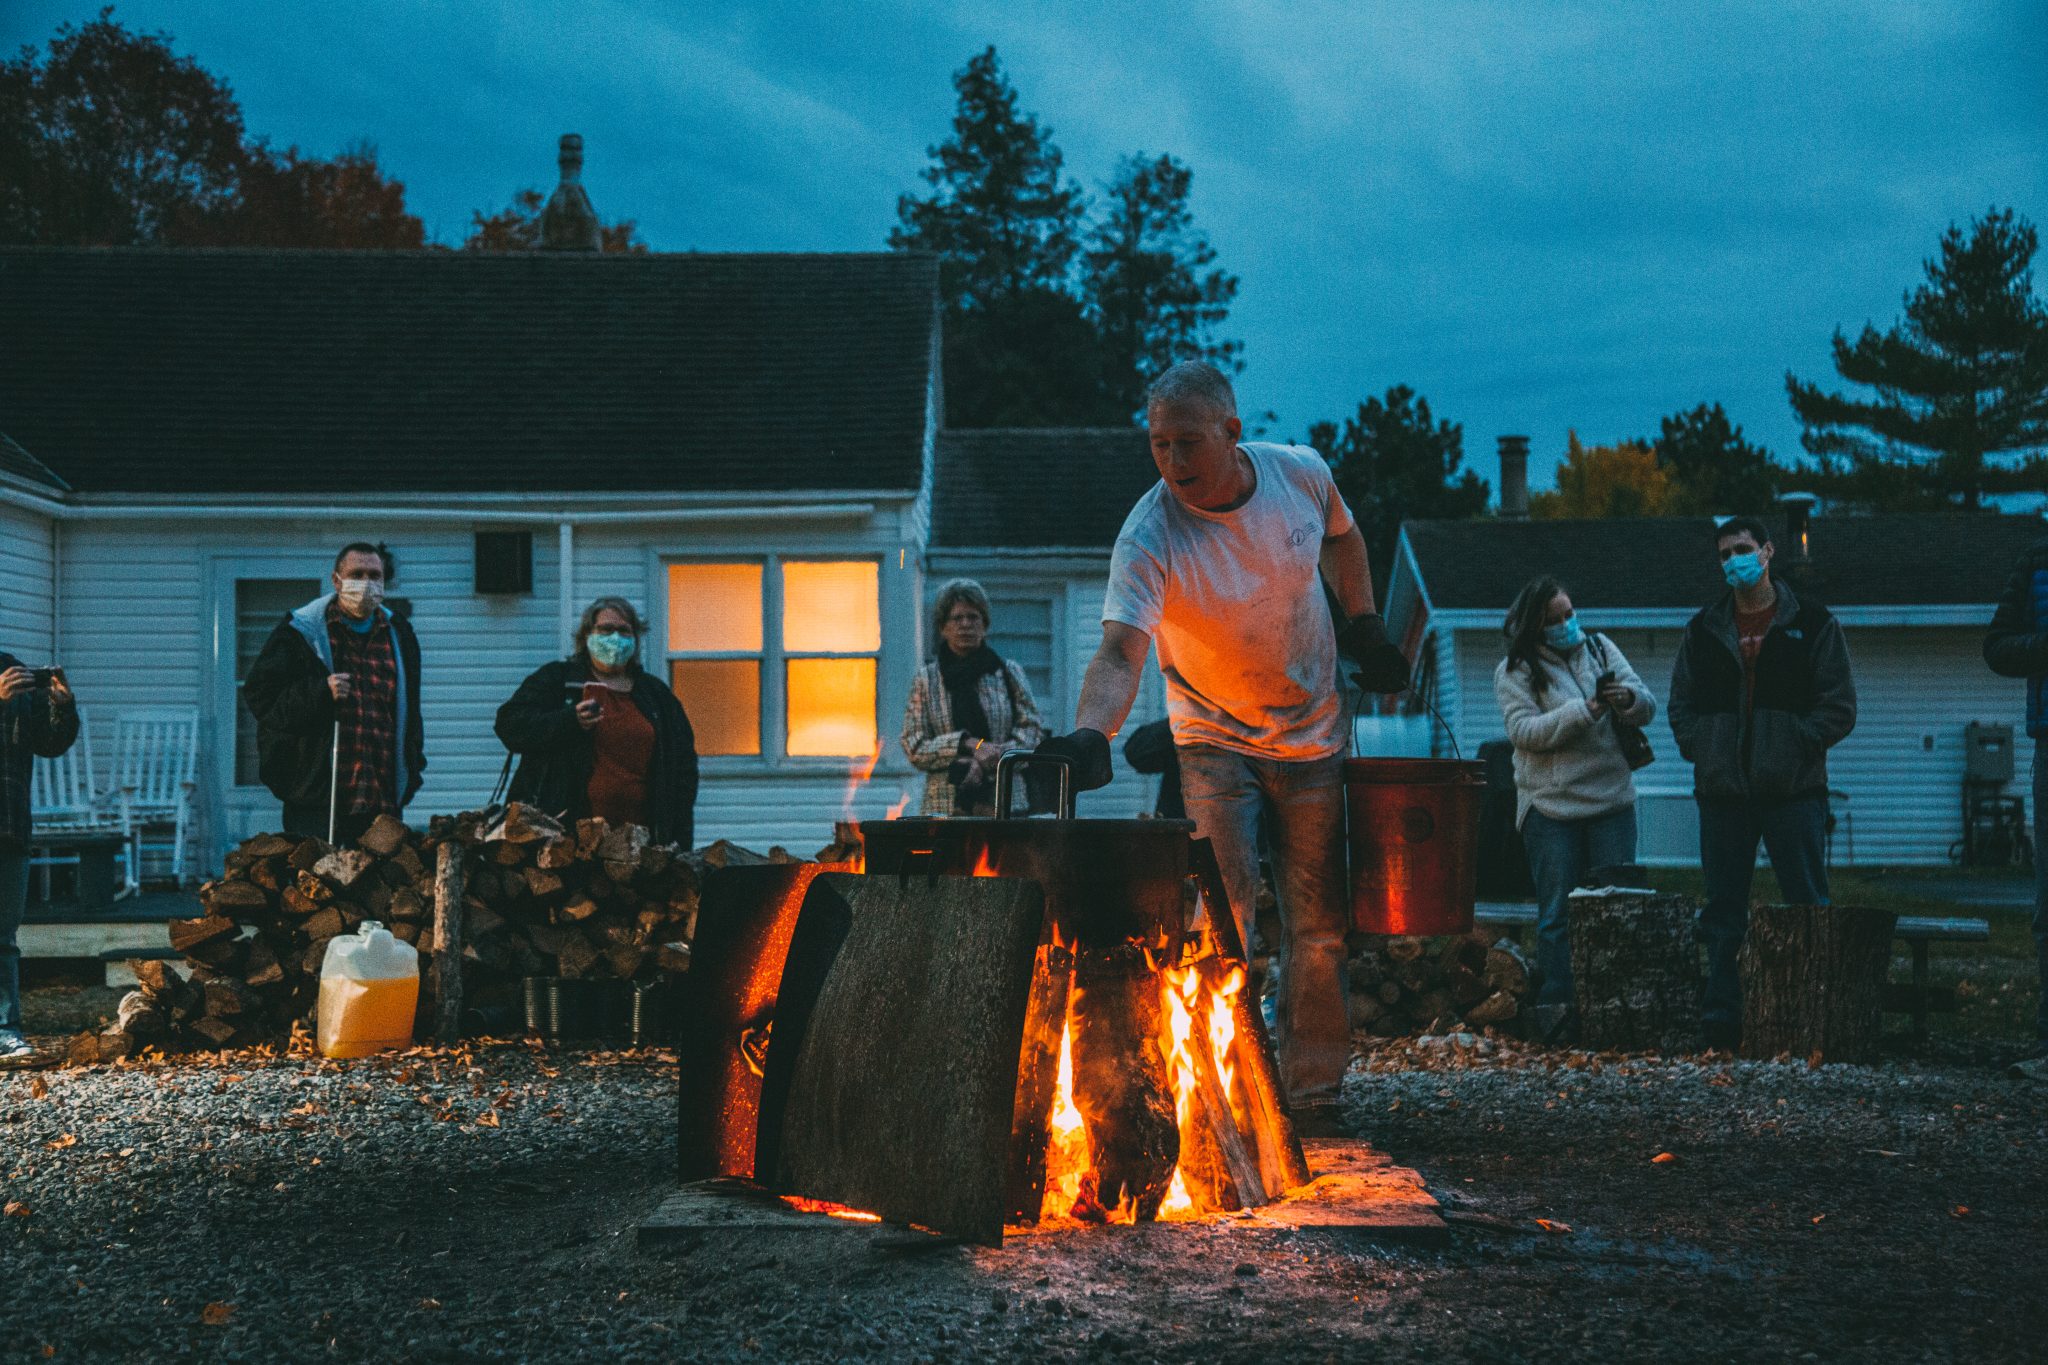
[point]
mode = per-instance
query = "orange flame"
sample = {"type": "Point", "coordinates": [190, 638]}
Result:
{"type": "Point", "coordinates": [830, 1209]}
{"type": "Point", "coordinates": [984, 866]}
{"type": "Point", "coordinates": [858, 778]}
{"type": "Point", "coordinates": [901, 805]}
{"type": "Point", "coordinates": [1067, 1159]}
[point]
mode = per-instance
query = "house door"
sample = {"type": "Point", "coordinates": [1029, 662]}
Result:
{"type": "Point", "coordinates": [249, 600]}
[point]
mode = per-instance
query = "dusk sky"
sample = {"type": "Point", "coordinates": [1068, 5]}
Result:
{"type": "Point", "coordinates": [1541, 216]}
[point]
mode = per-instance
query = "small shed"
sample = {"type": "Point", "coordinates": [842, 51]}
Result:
{"type": "Point", "coordinates": [1914, 594]}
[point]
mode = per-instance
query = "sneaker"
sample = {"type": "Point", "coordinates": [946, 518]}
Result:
{"type": "Point", "coordinates": [1319, 1121]}
{"type": "Point", "coordinates": [13, 1047]}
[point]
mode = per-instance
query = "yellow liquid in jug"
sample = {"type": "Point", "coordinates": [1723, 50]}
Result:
{"type": "Point", "coordinates": [357, 1018]}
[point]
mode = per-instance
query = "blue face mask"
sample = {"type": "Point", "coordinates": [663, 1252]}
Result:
{"type": "Point", "coordinates": [1566, 636]}
{"type": "Point", "coordinates": [1743, 571]}
{"type": "Point", "coordinates": [611, 649]}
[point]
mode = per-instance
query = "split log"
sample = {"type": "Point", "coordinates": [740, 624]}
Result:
{"type": "Point", "coordinates": [447, 960]}
{"type": "Point", "coordinates": [1121, 1087]}
{"type": "Point", "coordinates": [1635, 972]}
{"type": "Point", "coordinates": [1813, 981]}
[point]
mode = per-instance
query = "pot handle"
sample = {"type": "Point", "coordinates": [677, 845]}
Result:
{"type": "Point", "coordinates": [1006, 767]}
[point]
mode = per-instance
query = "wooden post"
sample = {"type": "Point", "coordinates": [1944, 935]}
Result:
{"type": "Point", "coordinates": [1636, 972]}
{"type": "Point", "coordinates": [448, 941]}
{"type": "Point", "coordinates": [1813, 981]}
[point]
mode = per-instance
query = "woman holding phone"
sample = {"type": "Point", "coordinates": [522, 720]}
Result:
{"type": "Point", "coordinates": [597, 734]}
{"type": "Point", "coordinates": [1565, 695]}
{"type": "Point", "coordinates": [37, 717]}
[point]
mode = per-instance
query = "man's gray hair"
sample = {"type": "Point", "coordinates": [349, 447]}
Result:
{"type": "Point", "coordinates": [1194, 381]}
{"type": "Point", "coordinates": [955, 592]}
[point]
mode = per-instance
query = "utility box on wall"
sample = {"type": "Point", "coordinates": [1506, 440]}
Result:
{"type": "Point", "coordinates": [1987, 753]}
{"type": "Point", "coordinates": [504, 562]}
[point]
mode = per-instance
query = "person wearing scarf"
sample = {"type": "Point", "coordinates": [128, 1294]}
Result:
{"type": "Point", "coordinates": [968, 706]}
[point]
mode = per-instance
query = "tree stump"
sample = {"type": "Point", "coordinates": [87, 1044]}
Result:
{"type": "Point", "coordinates": [1635, 972]}
{"type": "Point", "coordinates": [1813, 981]}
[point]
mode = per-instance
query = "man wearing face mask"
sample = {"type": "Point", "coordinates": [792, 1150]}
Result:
{"type": "Point", "coordinates": [340, 674]}
{"type": "Point", "coordinates": [1761, 690]}
{"type": "Point", "coordinates": [597, 734]}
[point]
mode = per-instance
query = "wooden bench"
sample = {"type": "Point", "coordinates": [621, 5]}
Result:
{"type": "Point", "coordinates": [1916, 997]}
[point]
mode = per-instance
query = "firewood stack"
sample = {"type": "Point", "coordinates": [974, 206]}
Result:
{"type": "Point", "coordinates": [539, 899]}
{"type": "Point", "coordinates": [1416, 985]}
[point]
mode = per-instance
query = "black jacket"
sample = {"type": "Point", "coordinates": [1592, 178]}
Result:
{"type": "Point", "coordinates": [2017, 645]}
{"type": "Point", "coordinates": [1774, 746]}
{"type": "Point", "coordinates": [35, 722]}
{"type": "Point", "coordinates": [287, 693]}
{"type": "Point", "coordinates": [556, 754]}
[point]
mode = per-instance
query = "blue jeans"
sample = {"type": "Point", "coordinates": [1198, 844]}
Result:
{"type": "Point", "coordinates": [2041, 883]}
{"type": "Point", "coordinates": [13, 896]}
{"type": "Point", "coordinates": [1224, 792]}
{"type": "Point", "coordinates": [1794, 834]}
{"type": "Point", "coordinates": [1561, 853]}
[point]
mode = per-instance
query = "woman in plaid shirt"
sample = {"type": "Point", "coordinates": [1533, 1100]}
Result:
{"type": "Point", "coordinates": [968, 706]}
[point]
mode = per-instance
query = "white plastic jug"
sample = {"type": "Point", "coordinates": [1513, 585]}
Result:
{"type": "Point", "coordinates": [369, 992]}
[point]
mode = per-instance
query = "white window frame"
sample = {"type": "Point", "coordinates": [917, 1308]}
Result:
{"type": "Point", "coordinates": [773, 658]}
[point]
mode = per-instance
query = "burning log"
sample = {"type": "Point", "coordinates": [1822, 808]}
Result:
{"type": "Point", "coordinates": [1122, 1090]}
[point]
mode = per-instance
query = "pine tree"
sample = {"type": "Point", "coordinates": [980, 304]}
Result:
{"type": "Point", "coordinates": [1394, 461]}
{"type": "Point", "coordinates": [1152, 293]}
{"type": "Point", "coordinates": [1003, 221]}
{"type": "Point", "coordinates": [1960, 408]}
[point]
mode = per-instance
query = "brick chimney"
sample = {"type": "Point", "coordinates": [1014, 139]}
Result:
{"type": "Point", "coordinates": [1514, 478]}
{"type": "Point", "coordinates": [569, 223]}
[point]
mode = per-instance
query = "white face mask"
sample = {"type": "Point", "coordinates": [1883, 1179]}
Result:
{"type": "Point", "coordinates": [356, 592]}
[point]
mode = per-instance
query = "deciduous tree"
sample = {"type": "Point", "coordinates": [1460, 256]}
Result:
{"type": "Point", "coordinates": [1394, 461]}
{"type": "Point", "coordinates": [287, 199]}
{"type": "Point", "coordinates": [1621, 480]}
{"type": "Point", "coordinates": [1959, 401]}
{"type": "Point", "coordinates": [516, 227]}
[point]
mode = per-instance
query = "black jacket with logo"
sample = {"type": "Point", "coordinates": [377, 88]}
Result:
{"type": "Point", "coordinates": [1772, 744]}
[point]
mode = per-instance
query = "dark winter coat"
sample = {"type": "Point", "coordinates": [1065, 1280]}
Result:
{"type": "Point", "coordinates": [35, 722]}
{"type": "Point", "coordinates": [556, 754]}
{"type": "Point", "coordinates": [287, 692]}
{"type": "Point", "coordinates": [2017, 646]}
{"type": "Point", "coordinates": [1773, 745]}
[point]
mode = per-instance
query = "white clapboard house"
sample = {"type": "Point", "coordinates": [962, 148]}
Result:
{"type": "Point", "coordinates": [740, 444]}
{"type": "Point", "coordinates": [1914, 595]}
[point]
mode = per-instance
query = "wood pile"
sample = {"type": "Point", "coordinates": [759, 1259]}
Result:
{"type": "Point", "coordinates": [1402, 985]}
{"type": "Point", "coordinates": [539, 898]}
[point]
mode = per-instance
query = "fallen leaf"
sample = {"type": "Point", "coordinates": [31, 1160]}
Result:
{"type": "Point", "coordinates": [216, 1314]}
{"type": "Point", "coordinates": [1550, 1225]}
{"type": "Point", "coordinates": [430, 1304]}
{"type": "Point", "coordinates": [126, 1151]}
{"type": "Point", "coordinates": [1818, 1216]}
{"type": "Point", "coordinates": [38, 1088]}
{"type": "Point", "coordinates": [1662, 1159]}
{"type": "Point", "coordinates": [15, 1209]}
{"type": "Point", "coordinates": [1877, 1151]}
{"type": "Point", "coordinates": [59, 1144]}
{"type": "Point", "coordinates": [1960, 1211]}
{"type": "Point", "coordinates": [488, 1119]}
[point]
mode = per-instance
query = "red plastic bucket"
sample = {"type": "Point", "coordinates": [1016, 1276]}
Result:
{"type": "Point", "coordinates": [1414, 843]}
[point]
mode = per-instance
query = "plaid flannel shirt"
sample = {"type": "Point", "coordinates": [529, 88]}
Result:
{"type": "Point", "coordinates": [368, 715]}
{"type": "Point", "coordinates": [933, 742]}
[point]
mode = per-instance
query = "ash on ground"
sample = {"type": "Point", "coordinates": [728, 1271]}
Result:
{"type": "Point", "coordinates": [479, 1203]}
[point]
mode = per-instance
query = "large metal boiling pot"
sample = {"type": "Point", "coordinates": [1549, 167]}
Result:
{"type": "Point", "coordinates": [1414, 843]}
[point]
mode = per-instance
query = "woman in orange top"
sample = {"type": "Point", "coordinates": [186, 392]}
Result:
{"type": "Point", "coordinates": [597, 734]}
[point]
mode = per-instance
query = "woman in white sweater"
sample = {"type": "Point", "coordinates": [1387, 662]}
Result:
{"type": "Point", "coordinates": [1563, 692]}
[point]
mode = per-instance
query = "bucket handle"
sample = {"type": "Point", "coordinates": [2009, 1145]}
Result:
{"type": "Point", "coordinates": [1410, 690]}
{"type": "Point", "coordinates": [1007, 765]}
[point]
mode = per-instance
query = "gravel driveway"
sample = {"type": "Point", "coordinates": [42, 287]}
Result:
{"type": "Point", "coordinates": [479, 1203]}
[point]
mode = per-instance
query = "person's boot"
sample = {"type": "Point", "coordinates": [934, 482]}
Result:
{"type": "Point", "coordinates": [2033, 1068]}
{"type": "Point", "coordinates": [1556, 1025]}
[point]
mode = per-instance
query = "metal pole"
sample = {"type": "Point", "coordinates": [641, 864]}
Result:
{"type": "Point", "coordinates": [334, 784]}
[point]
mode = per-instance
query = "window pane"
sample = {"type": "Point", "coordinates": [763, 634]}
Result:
{"type": "Point", "coordinates": [723, 697]}
{"type": "Point", "coordinates": [1023, 632]}
{"type": "Point", "coordinates": [831, 608]}
{"type": "Point", "coordinates": [831, 707]}
{"type": "Point", "coordinates": [260, 603]}
{"type": "Point", "coordinates": [714, 607]}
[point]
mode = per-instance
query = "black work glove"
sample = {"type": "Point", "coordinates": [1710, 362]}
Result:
{"type": "Point", "coordinates": [1382, 667]}
{"type": "Point", "coordinates": [1087, 752]}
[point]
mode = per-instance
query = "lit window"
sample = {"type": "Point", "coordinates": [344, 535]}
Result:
{"type": "Point", "coordinates": [724, 652]}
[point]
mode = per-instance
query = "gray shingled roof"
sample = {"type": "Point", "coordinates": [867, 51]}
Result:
{"type": "Point", "coordinates": [1038, 487]}
{"type": "Point", "coordinates": [155, 371]}
{"type": "Point", "coordinates": [1894, 560]}
{"type": "Point", "coordinates": [18, 462]}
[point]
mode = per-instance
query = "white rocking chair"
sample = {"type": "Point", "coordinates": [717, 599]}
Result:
{"type": "Point", "coordinates": [156, 760]}
{"type": "Point", "coordinates": [67, 806]}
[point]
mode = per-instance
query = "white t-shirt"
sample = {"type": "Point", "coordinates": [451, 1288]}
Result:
{"type": "Point", "coordinates": [1234, 603]}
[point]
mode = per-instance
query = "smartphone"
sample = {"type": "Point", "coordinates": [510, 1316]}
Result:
{"type": "Point", "coordinates": [44, 675]}
{"type": "Point", "coordinates": [1604, 680]}
{"type": "Point", "coordinates": [594, 691]}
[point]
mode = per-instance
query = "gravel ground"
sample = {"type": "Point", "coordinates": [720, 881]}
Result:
{"type": "Point", "coordinates": [478, 1204]}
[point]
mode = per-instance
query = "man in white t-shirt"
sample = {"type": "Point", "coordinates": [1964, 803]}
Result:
{"type": "Point", "coordinates": [1221, 565]}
